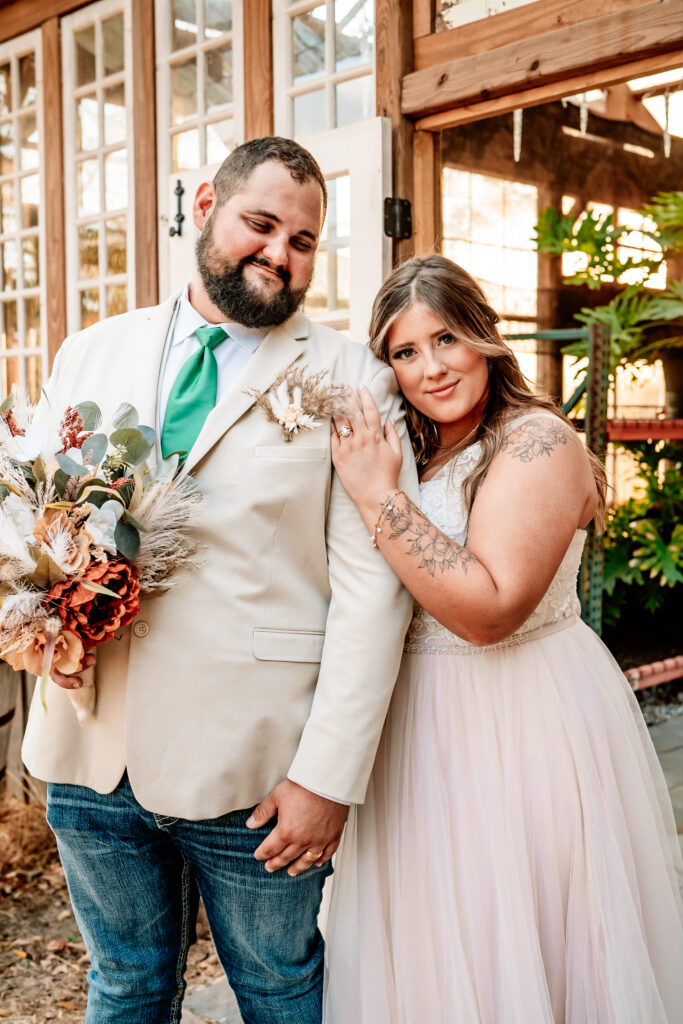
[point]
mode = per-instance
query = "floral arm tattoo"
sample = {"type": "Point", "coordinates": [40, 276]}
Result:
{"type": "Point", "coordinates": [424, 541]}
{"type": "Point", "coordinates": [534, 438]}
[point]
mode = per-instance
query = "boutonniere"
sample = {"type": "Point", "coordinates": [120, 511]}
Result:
{"type": "Point", "coordinates": [297, 401]}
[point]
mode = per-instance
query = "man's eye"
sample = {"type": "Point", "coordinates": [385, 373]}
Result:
{"type": "Point", "coordinates": [259, 225]}
{"type": "Point", "coordinates": [301, 246]}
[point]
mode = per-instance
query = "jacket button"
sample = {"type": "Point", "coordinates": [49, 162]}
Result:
{"type": "Point", "coordinates": [140, 629]}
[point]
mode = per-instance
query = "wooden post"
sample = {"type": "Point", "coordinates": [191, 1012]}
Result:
{"type": "Point", "coordinates": [423, 18]}
{"type": "Point", "coordinates": [427, 227]}
{"type": "Point", "coordinates": [548, 353]}
{"type": "Point", "coordinates": [393, 60]}
{"type": "Point", "coordinates": [145, 154]}
{"type": "Point", "coordinates": [55, 235]}
{"type": "Point", "coordinates": [258, 69]}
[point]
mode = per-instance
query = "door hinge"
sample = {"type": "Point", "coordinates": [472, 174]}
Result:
{"type": "Point", "coordinates": [398, 217]}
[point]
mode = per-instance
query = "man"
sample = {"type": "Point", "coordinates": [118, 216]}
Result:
{"type": "Point", "coordinates": [260, 679]}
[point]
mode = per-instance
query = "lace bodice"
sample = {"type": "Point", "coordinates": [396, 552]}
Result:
{"type": "Point", "coordinates": [442, 500]}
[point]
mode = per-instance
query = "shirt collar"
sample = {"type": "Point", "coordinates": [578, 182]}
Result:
{"type": "Point", "coordinates": [188, 320]}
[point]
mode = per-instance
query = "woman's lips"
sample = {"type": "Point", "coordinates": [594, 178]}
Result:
{"type": "Point", "coordinates": [445, 391]}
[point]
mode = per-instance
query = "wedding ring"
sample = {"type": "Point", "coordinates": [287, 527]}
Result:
{"type": "Point", "coordinates": [345, 431]}
{"type": "Point", "coordinates": [312, 855]}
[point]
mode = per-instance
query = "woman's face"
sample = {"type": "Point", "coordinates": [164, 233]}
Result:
{"type": "Point", "coordinates": [442, 377]}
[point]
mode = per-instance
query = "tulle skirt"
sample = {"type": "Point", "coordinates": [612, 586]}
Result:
{"type": "Point", "coordinates": [516, 860]}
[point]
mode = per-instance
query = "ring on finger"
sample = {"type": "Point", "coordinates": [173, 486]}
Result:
{"type": "Point", "coordinates": [312, 855]}
{"type": "Point", "coordinates": [345, 430]}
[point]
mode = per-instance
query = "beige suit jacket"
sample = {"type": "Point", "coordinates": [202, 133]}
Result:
{"type": "Point", "coordinates": [277, 656]}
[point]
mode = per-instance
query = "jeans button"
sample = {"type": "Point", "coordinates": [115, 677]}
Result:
{"type": "Point", "coordinates": [140, 629]}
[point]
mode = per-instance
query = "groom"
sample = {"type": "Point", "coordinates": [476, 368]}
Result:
{"type": "Point", "coordinates": [240, 714]}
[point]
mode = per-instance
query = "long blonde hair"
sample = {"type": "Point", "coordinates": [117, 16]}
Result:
{"type": "Point", "coordinates": [456, 299]}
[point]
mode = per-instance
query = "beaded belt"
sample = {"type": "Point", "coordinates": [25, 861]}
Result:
{"type": "Point", "coordinates": [456, 646]}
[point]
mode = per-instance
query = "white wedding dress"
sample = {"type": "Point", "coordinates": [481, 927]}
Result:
{"type": "Point", "coordinates": [516, 860]}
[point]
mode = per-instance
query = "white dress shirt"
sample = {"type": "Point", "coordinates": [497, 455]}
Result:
{"type": "Point", "coordinates": [232, 355]}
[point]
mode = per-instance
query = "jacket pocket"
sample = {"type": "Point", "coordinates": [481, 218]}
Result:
{"type": "Point", "coordinates": [288, 645]}
{"type": "Point", "coordinates": [287, 451]}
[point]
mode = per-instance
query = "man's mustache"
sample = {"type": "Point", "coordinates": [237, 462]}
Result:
{"type": "Point", "coordinates": [281, 272]}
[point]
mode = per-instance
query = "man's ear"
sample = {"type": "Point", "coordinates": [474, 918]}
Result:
{"type": "Point", "coordinates": [204, 203]}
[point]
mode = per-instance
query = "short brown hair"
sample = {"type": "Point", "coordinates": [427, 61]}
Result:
{"type": "Point", "coordinates": [243, 161]}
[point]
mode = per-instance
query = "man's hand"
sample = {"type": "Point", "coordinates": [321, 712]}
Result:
{"type": "Point", "coordinates": [305, 821]}
{"type": "Point", "coordinates": [72, 682]}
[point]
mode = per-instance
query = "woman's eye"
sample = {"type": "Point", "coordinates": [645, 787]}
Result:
{"type": "Point", "coordinates": [402, 353]}
{"type": "Point", "coordinates": [446, 339]}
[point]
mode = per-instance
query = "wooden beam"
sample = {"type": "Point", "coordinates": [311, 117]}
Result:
{"type": "Point", "coordinates": [477, 110]}
{"type": "Point", "coordinates": [144, 154]}
{"type": "Point", "coordinates": [553, 56]}
{"type": "Point", "coordinates": [622, 105]}
{"type": "Point", "coordinates": [258, 69]}
{"type": "Point", "coordinates": [19, 16]}
{"type": "Point", "coordinates": [509, 27]}
{"type": "Point", "coordinates": [53, 170]}
{"type": "Point", "coordinates": [427, 181]}
{"type": "Point", "coordinates": [423, 18]}
{"type": "Point", "coordinates": [394, 58]}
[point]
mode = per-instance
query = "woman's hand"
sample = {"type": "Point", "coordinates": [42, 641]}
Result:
{"type": "Point", "coordinates": [367, 458]}
{"type": "Point", "coordinates": [72, 681]}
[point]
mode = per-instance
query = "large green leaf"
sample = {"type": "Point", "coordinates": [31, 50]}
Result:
{"type": "Point", "coordinates": [133, 445]}
{"type": "Point", "coordinates": [90, 414]}
{"type": "Point", "coordinates": [71, 467]}
{"type": "Point", "coordinates": [127, 540]}
{"type": "Point", "coordinates": [93, 449]}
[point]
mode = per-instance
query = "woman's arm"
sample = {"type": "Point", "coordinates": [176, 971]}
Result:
{"type": "Point", "coordinates": [538, 490]}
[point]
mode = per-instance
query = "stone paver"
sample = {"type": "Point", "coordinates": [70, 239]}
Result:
{"type": "Point", "coordinates": [215, 1004]}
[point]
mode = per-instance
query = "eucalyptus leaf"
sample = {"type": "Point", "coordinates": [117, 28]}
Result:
{"type": "Point", "coordinates": [3, 491]}
{"type": "Point", "coordinates": [97, 588]}
{"type": "Point", "coordinates": [127, 540]}
{"type": "Point", "coordinates": [69, 466]}
{"type": "Point", "coordinates": [90, 414]}
{"type": "Point", "coordinates": [149, 434]}
{"type": "Point", "coordinates": [94, 449]}
{"type": "Point", "coordinates": [125, 416]}
{"type": "Point", "coordinates": [61, 479]}
{"type": "Point", "coordinates": [133, 443]}
{"type": "Point", "coordinates": [7, 405]}
{"type": "Point", "coordinates": [128, 517]}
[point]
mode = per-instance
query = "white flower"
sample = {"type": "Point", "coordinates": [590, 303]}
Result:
{"type": "Point", "coordinates": [101, 524]}
{"type": "Point", "coordinates": [22, 515]}
{"type": "Point", "coordinates": [288, 411]}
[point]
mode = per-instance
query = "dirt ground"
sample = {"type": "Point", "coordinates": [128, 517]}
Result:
{"type": "Point", "coordinates": [43, 961]}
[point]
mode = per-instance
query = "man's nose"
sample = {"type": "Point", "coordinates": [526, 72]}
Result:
{"type": "Point", "coordinates": [276, 251]}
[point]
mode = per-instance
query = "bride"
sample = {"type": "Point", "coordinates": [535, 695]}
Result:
{"type": "Point", "coordinates": [516, 860]}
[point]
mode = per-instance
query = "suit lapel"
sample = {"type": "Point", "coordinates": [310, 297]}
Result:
{"type": "Point", "coordinates": [279, 349]}
{"type": "Point", "coordinates": [148, 360]}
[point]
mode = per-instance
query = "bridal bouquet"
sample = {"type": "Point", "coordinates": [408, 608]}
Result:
{"type": "Point", "coordinates": [87, 526]}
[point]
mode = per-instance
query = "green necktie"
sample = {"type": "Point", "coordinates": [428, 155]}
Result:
{"type": "Point", "coordinates": [193, 394]}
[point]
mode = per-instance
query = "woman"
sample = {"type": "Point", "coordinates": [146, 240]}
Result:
{"type": "Point", "coordinates": [516, 859]}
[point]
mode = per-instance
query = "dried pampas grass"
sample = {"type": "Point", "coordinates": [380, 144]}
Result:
{"type": "Point", "coordinates": [316, 397]}
{"type": "Point", "coordinates": [167, 512]}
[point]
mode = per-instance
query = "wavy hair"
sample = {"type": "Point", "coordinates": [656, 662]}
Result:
{"type": "Point", "coordinates": [456, 299]}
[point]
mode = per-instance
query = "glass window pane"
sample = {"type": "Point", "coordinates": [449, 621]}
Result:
{"type": "Point", "coordinates": [30, 201]}
{"type": "Point", "coordinates": [116, 180]}
{"type": "Point", "coordinates": [88, 176]}
{"type": "Point", "coordinates": [27, 80]}
{"type": "Point", "coordinates": [10, 329]}
{"type": "Point", "coordinates": [6, 148]}
{"type": "Point", "coordinates": [5, 89]}
{"type": "Point", "coordinates": [31, 261]}
{"type": "Point", "coordinates": [34, 376]}
{"type": "Point", "coordinates": [115, 114]}
{"type": "Point", "coordinates": [316, 298]}
{"type": "Point", "coordinates": [186, 150]}
{"type": "Point", "coordinates": [184, 15]}
{"type": "Point", "coordinates": [28, 142]}
{"type": "Point", "coordinates": [354, 33]}
{"type": "Point", "coordinates": [112, 44]}
{"type": "Point", "coordinates": [84, 42]}
{"type": "Point", "coordinates": [8, 209]}
{"type": "Point", "coordinates": [116, 245]}
{"type": "Point", "coordinates": [87, 126]}
{"type": "Point", "coordinates": [310, 113]}
{"type": "Point", "coordinates": [355, 100]}
{"type": "Point", "coordinates": [32, 321]}
{"type": "Point", "coordinates": [88, 251]}
{"type": "Point", "coordinates": [218, 77]}
{"type": "Point", "coordinates": [116, 299]}
{"type": "Point", "coordinates": [220, 140]}
{"type": "Point", "coordinates": [10, 374]}
{"type": "Point", "coordinates": [8, 266]}
{"type": "Point", "coordinates": [183, 90]}
{"type": "Point", "coordinates": [217, 18]}
{"type": "Point", "coordinates": [343, 278]}
{"type": "Point", "coordinates": [308, 45]}
{"type": "Point", "coordinates": [90, 306]}
{"type": "Point", "coordinates": [342, 205]}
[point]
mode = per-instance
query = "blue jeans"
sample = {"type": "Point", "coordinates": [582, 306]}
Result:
{"type": "Point", "coordinates": [135, 879]}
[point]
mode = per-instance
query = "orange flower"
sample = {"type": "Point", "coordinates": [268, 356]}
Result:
{"type": "Point", "coordinates": [67, 657]}
{"type": "Point", "coordinates": [96, 617]}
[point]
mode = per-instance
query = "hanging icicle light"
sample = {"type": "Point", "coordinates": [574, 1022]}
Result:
{"type": "Point", "coordinates": [583, 114]}
{"type": "Point", "coordinates": [517, 116]}
{"type": "Point", "coordinates": [667, 133]}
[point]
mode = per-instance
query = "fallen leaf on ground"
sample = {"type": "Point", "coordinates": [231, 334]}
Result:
{"type": "Point", "coordinates": [66, 1004]}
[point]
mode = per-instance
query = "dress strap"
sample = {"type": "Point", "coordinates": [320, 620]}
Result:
{"type": "Point", "coordinates": [536, 415]}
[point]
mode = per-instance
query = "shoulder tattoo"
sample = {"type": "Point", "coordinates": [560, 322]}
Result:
{"type": "Point", "coordinates": [535, 438]}
{"type": "Point", "coordinates": [424, 541]}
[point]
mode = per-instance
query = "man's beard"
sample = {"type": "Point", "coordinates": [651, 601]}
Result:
{"type": "Point", "coordinates": [230, 291]}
